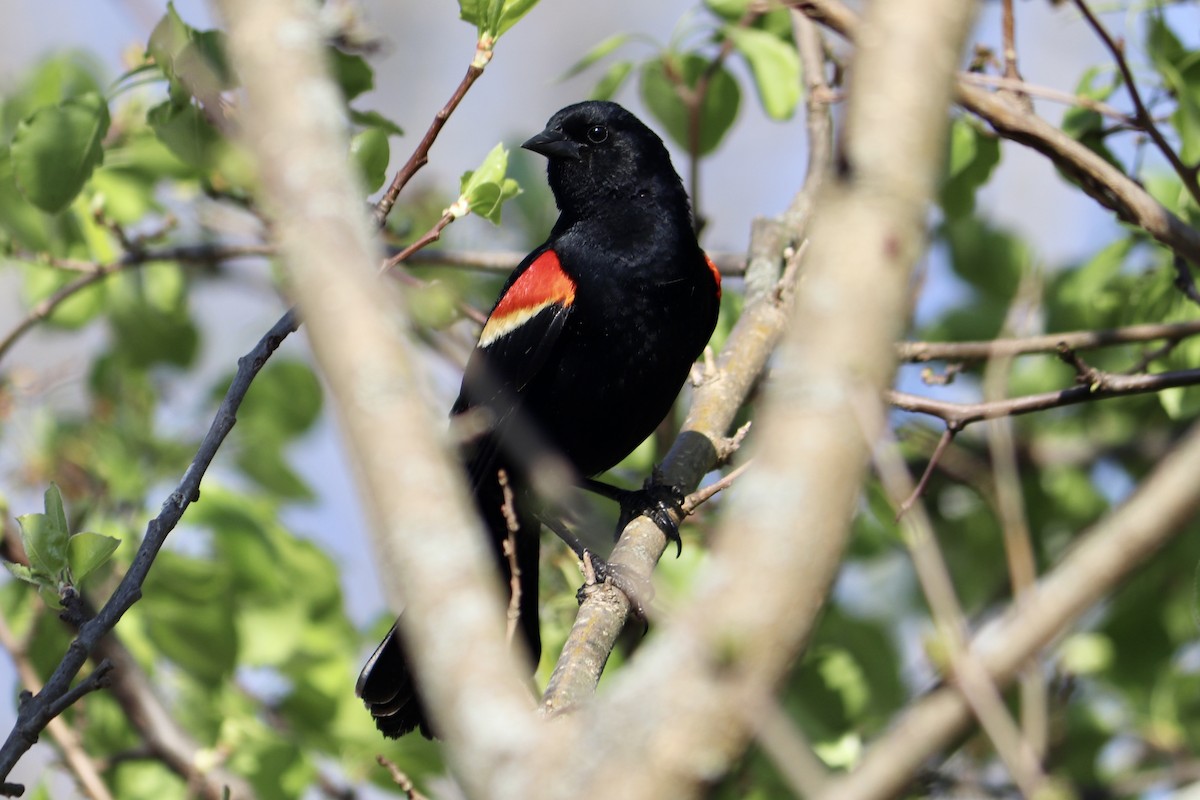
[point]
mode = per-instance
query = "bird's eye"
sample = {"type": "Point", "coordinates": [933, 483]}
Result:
{"type": "Point", "coordinates": [597, 134]}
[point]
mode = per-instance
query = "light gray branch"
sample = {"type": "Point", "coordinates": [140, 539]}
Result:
{"type": "Point", "coordinates": [425, 538]}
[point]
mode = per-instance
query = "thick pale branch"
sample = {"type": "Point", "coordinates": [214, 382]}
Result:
{"type": "Point", "coordinates": [673, 719]}
{"type": "Point", "coordinates": [424, 535]}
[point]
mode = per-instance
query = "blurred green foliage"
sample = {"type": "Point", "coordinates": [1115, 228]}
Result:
{"type": "Point", "coordinates": [243, 625]}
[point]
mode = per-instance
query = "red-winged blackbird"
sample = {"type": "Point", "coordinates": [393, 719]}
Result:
{"type": "Point", "coordinates": [584, 352]}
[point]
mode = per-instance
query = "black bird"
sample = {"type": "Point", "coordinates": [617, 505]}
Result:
{"type": "Point", "coordinates": [583, 353]}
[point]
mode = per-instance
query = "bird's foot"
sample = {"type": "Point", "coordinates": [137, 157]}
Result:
{"type": "Point", "coordinates": [598, 572]}
{"type": "Point", "coordinates": [658, 501]}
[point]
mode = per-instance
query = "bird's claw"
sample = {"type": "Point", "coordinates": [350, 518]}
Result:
{"type": "Point", "coordinates": [660, 502]}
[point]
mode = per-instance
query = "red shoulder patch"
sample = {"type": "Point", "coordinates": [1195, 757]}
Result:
{"type": "Point", "coordinates": [543, 284]}
{"type": "Point", "coordinates": [716, 273]}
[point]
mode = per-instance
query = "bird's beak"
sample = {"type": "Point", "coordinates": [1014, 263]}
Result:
{"type": "Point", "coordinates": [553, 144]}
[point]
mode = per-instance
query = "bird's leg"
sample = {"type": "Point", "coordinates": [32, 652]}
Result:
{"type": "Point", "coordinates": [661, 502]}
{"type": "Point", "coordinates": [633, 587]}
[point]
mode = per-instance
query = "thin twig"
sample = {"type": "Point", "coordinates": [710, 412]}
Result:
{"type": "Point", "coordinates": [420, 156]}
{"type": "Point", "coordinates": [1021, 86]}
{"type": "Point", "coordinates": [34, 714]}
{"type": "Point", "coordinates": [1108, 385]}
{"type": "Point", "coordinates": [918, 490]}
{"type": "Point", "coordinates": [402, 781]}
{"type": "Point", "coordinates": [94, 273]}
{"type": "Point", "coordinates": [1145, 121]}
{"type": "Point", "coordinates": [1010, 507]}
{"type": "Point", "coordinates": [513, 614]}
{"type": "Point", "coordinates": [916, 352]}
{"type": "Point", "coordinates": [429, 237]}
{"type": "Point", "coordinates": [977, 687]}
{"type": "Point", "coordinates": [700, 496]}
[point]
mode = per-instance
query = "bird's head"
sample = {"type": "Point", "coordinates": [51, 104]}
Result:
{"type": "Point", "coordinates": [598, 152]}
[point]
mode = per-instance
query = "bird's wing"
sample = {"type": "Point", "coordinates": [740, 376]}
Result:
{"type": "Point", "coordinates": [513, 347]}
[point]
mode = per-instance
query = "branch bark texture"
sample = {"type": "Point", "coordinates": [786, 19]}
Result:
{"type": "Point", "coordinates": [1162, 505]}
{"type": "Point", "coordinates": [424, 536]}
{"type": "Point", "coordinates": [680, 705]}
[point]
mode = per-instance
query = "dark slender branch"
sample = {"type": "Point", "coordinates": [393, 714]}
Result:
{"type": "Point", "coordinates": [420, 156]}
{"type": "Point", "coordinates": [693, 98]}
{"type": "Point", "coordinates": [1104, 386]}
{"type": "Point", "coordinates": [56, 695]}
{"type": "Point", "coordinates": [917, 352]}
{"type": "Point", "coordinates": [1145, 121]}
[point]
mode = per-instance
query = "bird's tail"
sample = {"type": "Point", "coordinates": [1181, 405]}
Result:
{"type": "Point", "coordinates": [387, 685]}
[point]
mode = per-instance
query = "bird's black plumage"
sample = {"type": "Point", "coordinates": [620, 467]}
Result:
{"type": "Point", "coordinates": [584, 352]}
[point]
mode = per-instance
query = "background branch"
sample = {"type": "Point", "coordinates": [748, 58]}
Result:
{"type": "Point", "coordinates": [678, 702]}
{"type": "Point", "coordinates": [1161, 507]}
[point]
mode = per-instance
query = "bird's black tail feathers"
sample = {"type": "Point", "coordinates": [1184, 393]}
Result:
{"type": "Point", "coordinates": [387, 685]}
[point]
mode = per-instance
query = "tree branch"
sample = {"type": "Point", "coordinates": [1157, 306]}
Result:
{"type": "Point", "coordinates": [1075, 340]}
{"type": "Point", "coordinates": [426, 538]}
{"type": "Point", "coordinates": [1145, 122]}
{"type": "Point", "coordinates": [33, 715]}
{"type": "Point", "coordinates": [94, 273]}
{"type": "Point", "coordinates": [679, 701]}
{"type": "Point", "coordinates": [1102, 181]}
{"type": "Point", "coordinates": [1162, 505]}
{"type": "Point", "coordinates": [1106, 385]}
{"type": "Point", "coordinates": [87, 774]}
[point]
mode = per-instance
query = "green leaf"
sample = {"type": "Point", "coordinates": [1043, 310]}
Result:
{"type": "Point", "coordinates": [55, 513]}
{"type": "Point", "coordinates": [149, 318]}
{"type": "Point", "coordinates": [612, 80]}
{"type": "Point", "coordinates": [776, 67]}
{"type": "Point", "coordinates": [55, 150]}
{"type": "Point", "coordinates": [718, 111]}
{"type": "Point", "coordinates": [731, 10]}
{"type": "Point", "coordinates": [484, 191]}
{"type": "Point", "coordinates": [187, 133]}
{"type": "Point", "coordinates": [973, 155]}
{"type": "Point", "coordinates": [190, 615]}
{"type": "Point", "coordinates": [373, 119]}
{"type": "Point", "coordinates": [352, 73]}
{"type": "Point", "coordinates": [511, 12]}
{"type": "Point", "coordinates": [24, 573]}
{"type": "Point", "coordinates": [1086, 125]}
{"type": "Point", "coordinates": [1180, 71]}
{"type": "Point", "coordinates": [262, 460]}
{"type": "Point", "coordinates": [193, 61]}
{"type": "Point", "coordinates": [474, 12]}
{"type": "Point", "coordinates": [598, 52]}
{"type": "Point", "coordinates": [86, 551]}
{"type": "Point", "coordinates": [492, 18]}
{"type": "Point", "coordinates": [371, 153]}
{"type": "Point", "coordinates": [285, 397]}
{"type": "Point", "coordinates": [45, 536]}
{"type": "Point", "coordinates": [168, 39]}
